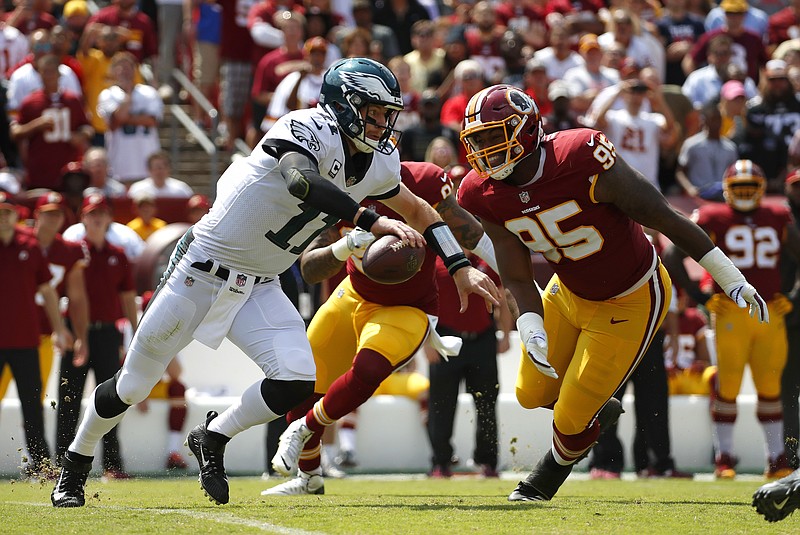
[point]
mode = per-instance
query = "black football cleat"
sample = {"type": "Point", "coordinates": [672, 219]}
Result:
{"type": "Point", "coordinates": [778, 499]}
{"type": "Point", "coordinates": [209, 449]}
{"type": "Point", "coordinates": [543, 482]}
{"type": "Point", "coordinates": [68, 491]}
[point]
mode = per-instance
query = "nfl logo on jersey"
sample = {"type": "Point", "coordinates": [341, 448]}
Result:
{"type": "Point", "coordinates": [525, 196]}
{"type": "Point", "coordinates": [241, 280]}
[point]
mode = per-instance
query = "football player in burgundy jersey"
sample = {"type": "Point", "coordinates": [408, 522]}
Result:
{"type": "Point", "coordinates": [753, 235]}
{"type": "Point", "coordinates": [365, 330]}
{"type": "Point", "coordinates": [571, 198]}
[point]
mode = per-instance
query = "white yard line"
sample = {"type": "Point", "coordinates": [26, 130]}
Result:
{"type": "Point", "coordinates": [220, 517]}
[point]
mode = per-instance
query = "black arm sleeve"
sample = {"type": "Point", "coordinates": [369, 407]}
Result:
{"type": "Point", "coordinates": [304, 182]}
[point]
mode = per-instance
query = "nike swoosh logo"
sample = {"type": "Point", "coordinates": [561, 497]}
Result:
{"type": "Point", "coordinates": [203, 461]}
{"type": "Point", "coordinates": [590, 142]}
{"type": "Point", "coordinates": [58, 495]}
{"type": "Point", "coordinates": [614, 321]}
{"type": "Point", "coordinates": [780, 505]}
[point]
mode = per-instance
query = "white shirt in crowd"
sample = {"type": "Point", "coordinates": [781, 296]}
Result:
{"type": "Point", "coordinates": [118, 234]}
{"type": "Point", "coordinates": [26, 80]}
{"type": "Point", "coordinates": [172, 188]}
{"type": "Point", "coordinates": [637, 139]}
{"type": "Point", "coordinates": [129, 146]}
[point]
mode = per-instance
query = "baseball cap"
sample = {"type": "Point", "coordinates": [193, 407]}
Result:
{"type": "Point", "coordinates": [776, 68]}
{"type": "Point", "coordinates": [558, 89]}
{"type": "Point", "coordinates": [95, 201]}
{"type": "Point", "coordinates": [7, 202]}
{"type": "Point", "coordinates": [588, 42]}
{"type": "Point", "coordinates": [75, 7]}
{"type": "Point", "coordinates": [793, 177]}
{"type": "Point", "coordinates": [198, 201]}
{"type": "Point", "coordinates": [535, 64]}
{"type": "Point", "coordinates": [50, 201]}
{"type": "Point", "coordinates": [734, 6]}
{"type": "Point", "coordinates": [315, 43]}
{"type": "Point", "coordinates": [731, 90]}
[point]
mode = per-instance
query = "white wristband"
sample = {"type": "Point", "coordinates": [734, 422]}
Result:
{"type": "Point", "coordinates": [341, 251]}
{"type": "Point", "coordinates": [527, 323]}
{"type": "Point", "coordinates": [485, 251]}
{"type": "Point", "coordinates": [722, 269]}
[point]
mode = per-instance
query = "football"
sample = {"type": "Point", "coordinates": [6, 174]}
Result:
{"type": "Point", "coordinates": [388, 260]}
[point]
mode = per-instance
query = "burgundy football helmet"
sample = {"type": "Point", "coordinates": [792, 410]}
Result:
{"type": "Point", "coordinates": [502, 125]}
{"type": "Point", "coordinates": [743, 185]}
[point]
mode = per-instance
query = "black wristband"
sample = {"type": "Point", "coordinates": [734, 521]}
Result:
{"type": "Point", "coordinates": [442, 241]}
{"type": "Point", "coordinates": [366, 219]}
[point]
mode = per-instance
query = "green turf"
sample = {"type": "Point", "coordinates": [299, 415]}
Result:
{"type": "Point", "coordinates": [370, 506]}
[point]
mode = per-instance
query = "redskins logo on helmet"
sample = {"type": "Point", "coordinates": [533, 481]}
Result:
{"type": "Point", "coordinates": [743, 185]}
{"type": "Point", "coordinates": [502, 125]}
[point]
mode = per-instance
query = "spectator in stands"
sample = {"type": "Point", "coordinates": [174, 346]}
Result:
{"type": "Point", "coordinates": [475, 365]}
{"type": "Point", "coordinates": [455, 51]}
{"type": "Point", "coordinates": [62, 46]}
{"type": "Point", "coordinates": [483, 41]}
{"type": "Point", "coordinates": [99, 43]}
{"type": "Point", "coordinates": [426, 57]}
{"type": "Point", "coordinates": [783, 25]}
{"type": "Point", "coordinates": [409, 117]}
{"type": "Point", "coordinates": [704, 157]}
{"type": "Point", "coordinates": [196, 207]}
{"type": "Point", "coordinates": [118, 234]}
{"type": "Point", "coordinates": [415, 141]}
{"type": "Point", "coordinates": [272, 68]}
{"type": "Point", "coordinates": [514, 54]}
{"type": "Point", "coordinates": [442, 152]}
{"type": "Point", "coordinates": [561, 117]}
{"type": "Point", "coordinates": [299, 89]}
{"type": "Point", "coordinates": [25, 79]}
{"type": "Point", "coordinates": [29, 16]}
{"type": "Point", "coordinates": [132, 112]}
{"type": "Point", "coordinates": [558, 58]}
{"type": "Point", "coordinates": [679, 31]}
{"type": "Point", "coordinates": [624, 29]}
{"type": "Point", "coordinates": [356, 43]}
{"type": "Point", "coordinates": [23, 273]}
{"type": "Point", "coordinates": [732, 107]}
{"type": "Point", "coordinates": [639, 135]}
{"type": "Point", "coordinates": [146, 222]}
{"type": "Point", "coordinates": [109, 286]}
{"type": "Point", "coordinates": [753, 19]}
{"type": "Point", "coordinates": [705, 83]}
{"type": "Point", "coordinates": [159, 183]}
{"type": "Point", "coordinates": [203, 32]}
{"type": "Point", "coordinates": [790, 379]}
{"type": "Point", "coordinates": [686, 354]}
{"type": "Point", "coordinates": [469, 78]}
{"type": "Point", "coordinates": [75, 181]}
{"type": "Point", "coordinates": [526, 18]}
{"type": "Point", "coordinates": [771, 122]}
{"type": "Point", "coordinates": [170, 31]}
{"type": "Point", "coordinates": [75, 15]}
{"type": "Point", "coordinates": [401, 16]}
{"type": "Point", "coordinates": [13, 49]}
{"type": "Point", "coordinates": [588, 79]}
{"type": "Point", "coordinates": [137, 30]}
{"type": "Point", "coordinates": [363, 18]}
{"type": "Point", "coordinates": [535, 84]}
{"type": "Point", "coordinates": [52, 128]}
{"type": "Point", "coordinates": [95, 164]}
{"type": "Point", "coordinates": [749, 52]}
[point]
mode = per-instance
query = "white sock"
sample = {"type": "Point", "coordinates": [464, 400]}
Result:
{"type": "Point", "coordinates": [347, 439]}
{"type": "Point", "coordinates": [92, 429]}
{"type": "Point", "coordinates": [175, 440]}
{"type": "Point", "coordinates": [249, 410]}
{"type": "Point", "coordinates": [773, 439]}
{"type": "Point", "coordinates": [723, 437]}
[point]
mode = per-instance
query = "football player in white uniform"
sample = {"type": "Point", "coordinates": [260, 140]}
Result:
{"type": "Point", "coordinates": [308, 172]}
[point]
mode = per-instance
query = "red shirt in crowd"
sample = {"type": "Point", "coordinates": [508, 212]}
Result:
{"type": "Point", "coordinates": [37, 21]}
{"type": "Point", "coordinates": [62, 256]}
{"type": "Point", "coordinates": [754, 51]}
{"type": "Point", "coordinates": [107, 274]}
{"type": "Point", "coordinates": [49, 151]}
{"type": "Point", "coordinates": [272, 68]}
{"type": "Point", "coordinates": [781, 23]}
{"type": "Point", "coordinates": [235, 41]}
{"type": "Point", "coordinates": [142, 41]}
{"type": "Point", "coordinates": [23, 269]}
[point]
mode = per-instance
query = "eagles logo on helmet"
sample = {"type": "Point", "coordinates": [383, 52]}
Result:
{"type": "Point", "coordinates": [353, 84]}
{"type": "Point", "coordinates": [743, 185]}
{"type": "Point", "coordinates": [502, 125]}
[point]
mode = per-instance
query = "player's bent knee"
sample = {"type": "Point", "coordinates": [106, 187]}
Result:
{"type": "Point", "coordinates": [528, 400]}
{"type": "Point", "coordinates": [282, 396]}
{"type": "Point", "coordinates": [107, 402]}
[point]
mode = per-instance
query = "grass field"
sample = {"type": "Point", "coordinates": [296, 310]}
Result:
{"type": "Point", "coordinates": [373, 505]}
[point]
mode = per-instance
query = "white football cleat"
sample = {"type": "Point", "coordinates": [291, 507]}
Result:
{"type": "Point", "coordinates": [303, 484]}
{"type": "Point", "coordinates": [290, 444]}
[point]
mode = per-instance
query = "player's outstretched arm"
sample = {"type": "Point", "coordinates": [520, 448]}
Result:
{"type": "Point", "coordinates": [467, 230]}
{"type": "Point", "coordinates": [328, 252]}
{"type": "Point", "coordinates": [630, 191]}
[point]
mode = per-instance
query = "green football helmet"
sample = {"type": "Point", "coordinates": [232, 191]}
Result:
{"type": "Point", "coordinates": [352, 84]}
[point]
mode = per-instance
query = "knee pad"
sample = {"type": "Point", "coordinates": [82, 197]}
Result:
{"type": "Point", "coordinates": [107, 402]}
{"type": "Point", "coordinates": [282, 396]}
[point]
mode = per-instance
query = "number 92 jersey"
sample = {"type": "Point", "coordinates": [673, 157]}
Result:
{"type": "Point", "coordinates": [752, 240]}
{"type": "Point", "coordinates": [595, 249]}
{"type": "Point", "coordinates": [256, 226]}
